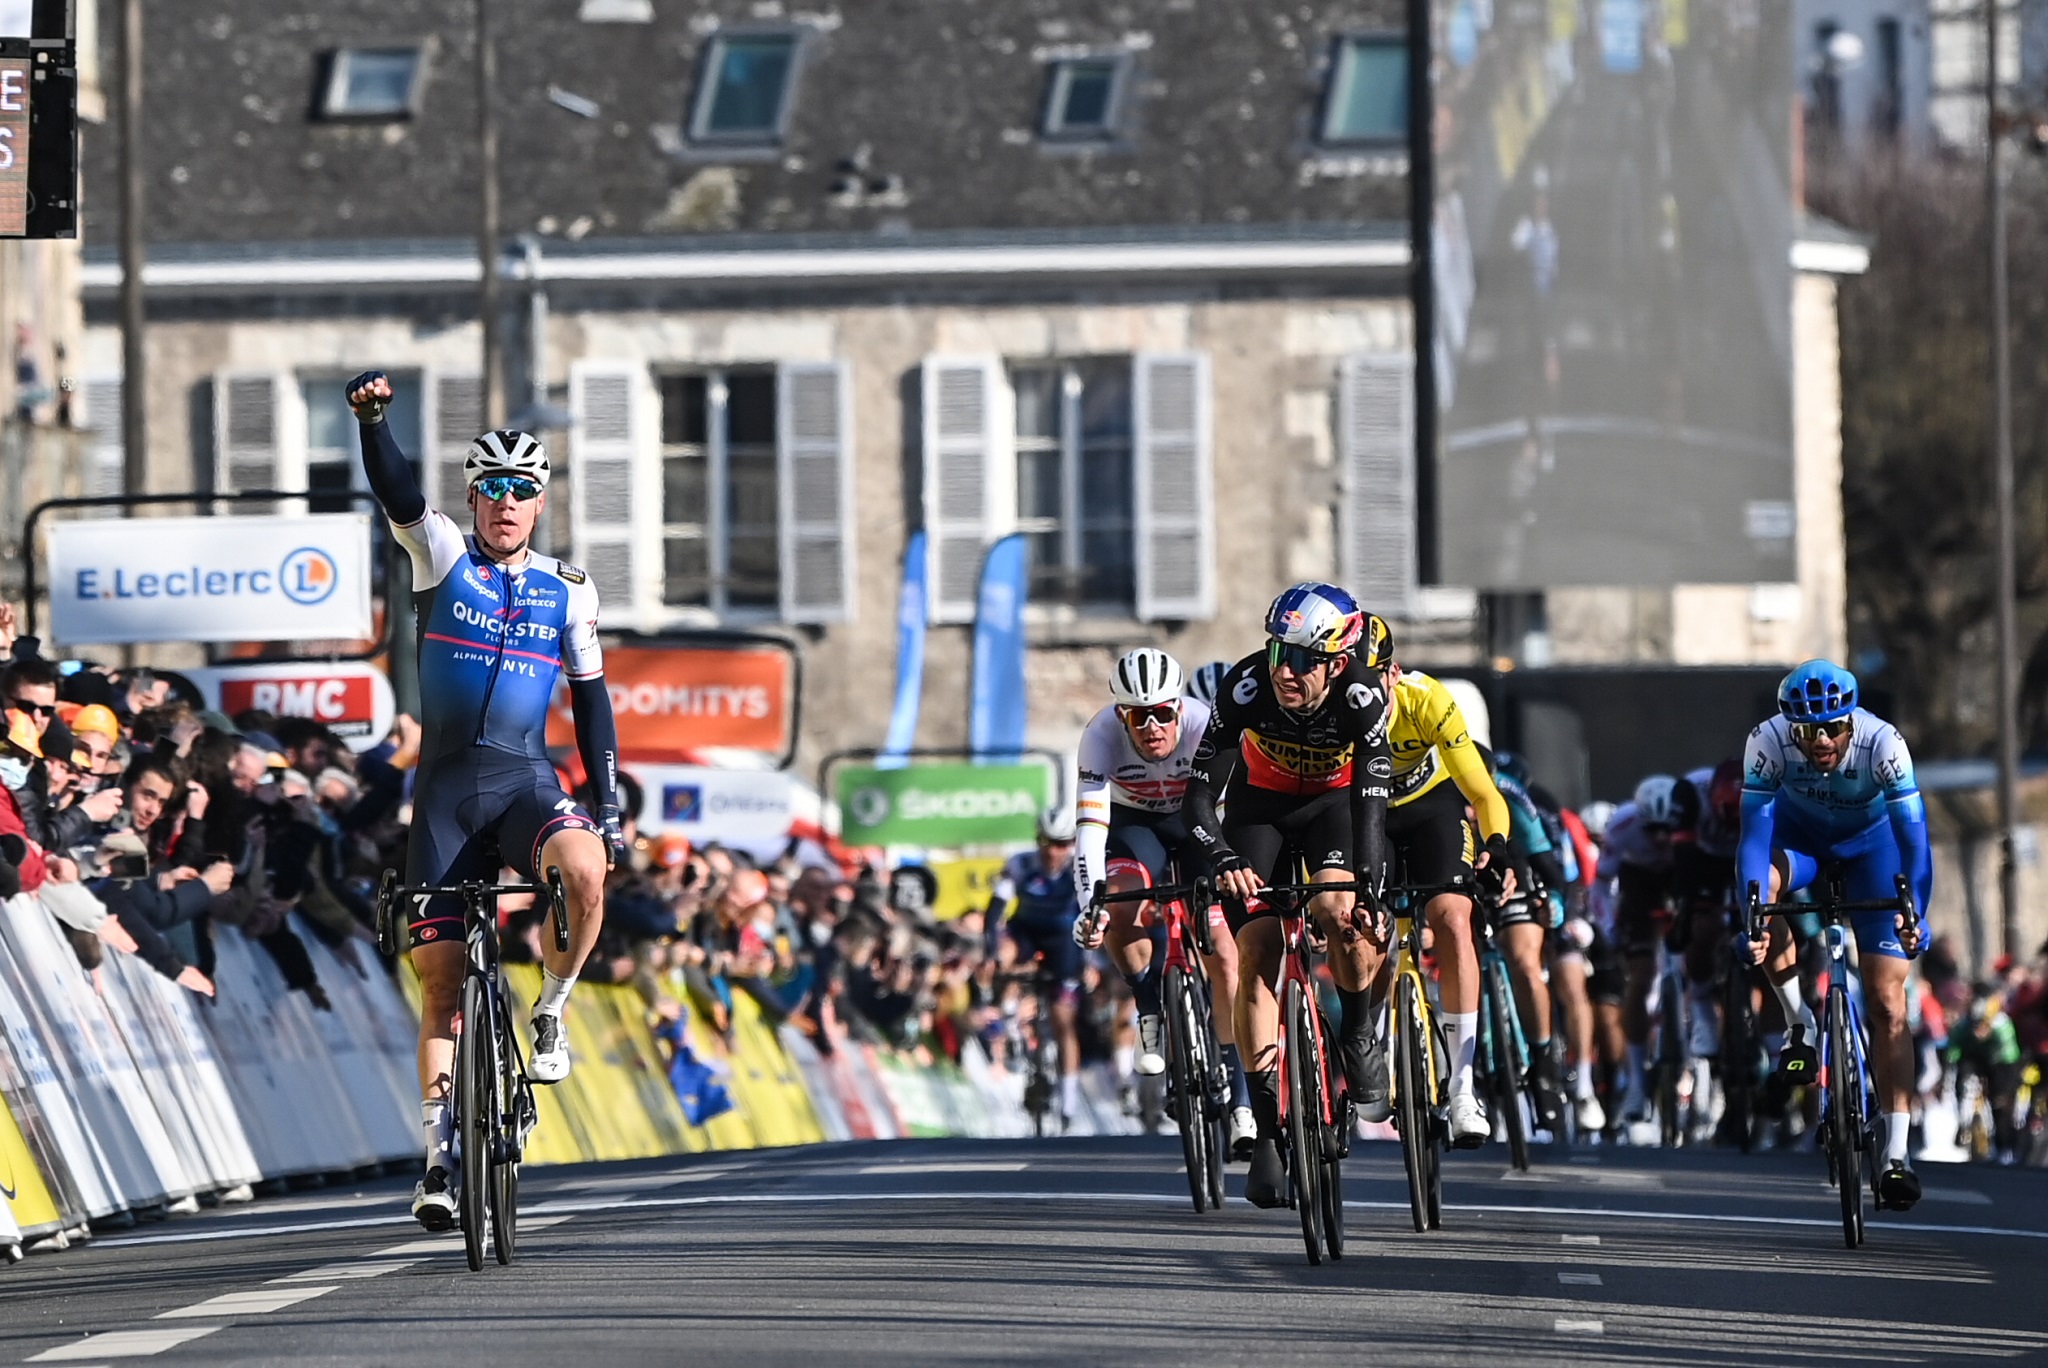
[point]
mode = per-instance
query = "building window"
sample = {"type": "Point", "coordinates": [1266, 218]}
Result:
{"type": "Point", "coordinates": [1368, 95]}
{"type": "Point", "coordinates": [371, 83]}
{"type": "Point", "coordinates": [1074, 481]}
{"type": "Point", "coordinates": [334, 454]}
{"type": "Point", "coordinates": [743, 95]}
{"type": "Point", "coordinates": [1081, 97]}
{"type": "Point", "coordinates": [719, 534]}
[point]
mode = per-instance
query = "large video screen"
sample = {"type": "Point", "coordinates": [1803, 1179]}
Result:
{"type": "Point", "coordinates": [1613, 285]}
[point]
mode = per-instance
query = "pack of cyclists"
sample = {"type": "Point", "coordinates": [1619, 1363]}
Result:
{"type": "Point", "coordinates": [1319, 757]}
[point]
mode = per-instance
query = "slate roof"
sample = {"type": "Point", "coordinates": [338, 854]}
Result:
{"type": "Point", "coordinates": [943, 94]}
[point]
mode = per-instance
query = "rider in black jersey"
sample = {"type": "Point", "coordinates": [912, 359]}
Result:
{"type": "Point", "coordinates": [1297, 747]}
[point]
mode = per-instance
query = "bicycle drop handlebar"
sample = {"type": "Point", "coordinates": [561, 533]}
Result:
{"type": "Point", "coordinates": [1833, 909]}
{"type": "Point", "coordinates": [1199, 892]}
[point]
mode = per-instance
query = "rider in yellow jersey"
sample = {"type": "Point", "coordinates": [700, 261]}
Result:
{"type": "Point", "coordinates": [1438, 770]}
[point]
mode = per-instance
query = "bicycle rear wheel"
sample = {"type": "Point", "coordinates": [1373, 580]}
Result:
{"type": "Point", "coordinates": [1329, 1138]}
{"type": "Point", "coordinates": [1304, 1148]}
{"type": "Point", "coordinates": [1843, 1106]}
{"type": "Point", "coordinates": [505, 1146]}
{"type": "Point", "coordinates": [1412, 1100]}
{"type": "Point", "coordinates": [473, 1074]}
{"type": "Point", "coordinates": [1190, 1110]}
{"type": "Point", "coordinates": [1508, 1083]}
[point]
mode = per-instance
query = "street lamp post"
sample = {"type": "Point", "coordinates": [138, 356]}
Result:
{"type": "Point", "coordinates": [487, 219]}
{"type": "Point", "coordinates": [2002, 496]}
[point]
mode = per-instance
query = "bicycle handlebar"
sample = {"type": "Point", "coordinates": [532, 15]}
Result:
{"type": "Point", "coordinates": [1200, 891]}
{"type": "Point", "coordinates": [1832, 909]}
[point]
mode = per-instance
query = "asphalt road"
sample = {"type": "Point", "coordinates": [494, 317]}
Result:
{"type": "Point", "coordinates": [1071, 1252]}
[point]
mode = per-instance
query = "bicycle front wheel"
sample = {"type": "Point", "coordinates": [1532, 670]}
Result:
{"type": "Point", "coordinates": [1843, 1086]}
{"type": "Point", "coordinates": [1670, 1065]}
{"type": "Point", "coordinates": [1304, 1127]}
{"type": "Point", "coordinates": [505, 1145]}
{"type": "Point", "coordinates": [1190, 1111]}
{"type": "Point", "coordinates": [1412, 1099]}
{"type": "Point", "coordinates": [474, 1068]}
{"type": "Point", "coordinates": [1508, 1084]}
{"type": "Point", "coordinates": [1215, 1098]}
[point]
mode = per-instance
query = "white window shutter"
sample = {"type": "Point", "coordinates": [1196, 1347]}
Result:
{"type": "Point", "coordinates": [1172, 486]}
{"type": "Point", "coordinates": [965, 441]}
{"type": "Point", "coordinates": [453, 418]}
{"type": "Point", "coordinates": [814, 488]}
{"type": "Point", "coordinates": [252, 439]}
{"type": "Point", "coordinates": [104, 472]}
{"type": "Point", "coordinates": [605, 398]}
{"type": "Point", "coordinates": [1376, 446]}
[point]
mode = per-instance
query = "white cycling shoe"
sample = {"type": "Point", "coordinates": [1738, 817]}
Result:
{"type": "Point", "coordinates": [1244, 1134]}
{"type": "Point", "coordinates": [1592, 1116]}
{"type": "Point", "coordinates": [550, 1062]}
{"type": "Point", "coordinates": [1470, 1127]}
{"type": "Point", "coordinates": [433, 1201]}
{"type": "Point", "coordinates": [1151, 1034]}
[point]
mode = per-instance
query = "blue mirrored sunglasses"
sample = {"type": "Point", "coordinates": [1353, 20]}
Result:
{"type": "Point", "coordinates": [496, 487]}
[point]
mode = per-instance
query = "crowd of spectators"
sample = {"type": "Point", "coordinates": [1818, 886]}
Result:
{"type": "Point", "coordinates": [1978, 1041]}
{"type": "Point", "coordinates": [145, 822]}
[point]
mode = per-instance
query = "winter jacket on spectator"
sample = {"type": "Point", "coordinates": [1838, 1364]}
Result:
{"type": "Point", "coordinates": [29, 860]}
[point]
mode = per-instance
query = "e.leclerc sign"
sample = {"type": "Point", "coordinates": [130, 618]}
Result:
{"type": "Point", "coordinates": [941, 805]}
{"type": "Point", "coordinates": [211, 579]}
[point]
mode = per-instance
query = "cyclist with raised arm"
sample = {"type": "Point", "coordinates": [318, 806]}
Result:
{"type": "Point", "coordinates": [1825, 782]}
{"type": "Point", "coordinates": [1036, 890]}
{"type": "Point", "coordinates": [498, 623]}
{"type": "Point", "coordinates": [1297, 750]}
{"type": "Point", "coordinates": [1135, 759]}
{"type": "Point", "coordinates": [1437, 773]}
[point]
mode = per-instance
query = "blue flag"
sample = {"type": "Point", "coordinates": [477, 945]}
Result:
{"type": "Point", "coordinates": [910, 616]}
{"type": "Point", "coordinates": [997, 711]}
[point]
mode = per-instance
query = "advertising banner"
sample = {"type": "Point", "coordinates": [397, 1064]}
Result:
{"type": "Point", "coordinates": [750, 809]}
{"type": "Point", "coordinates": [210, 579]}
{"type": "Point", "coordinates": [672, 702]}
{"type": "Point", "coordinates": [998, 708]}
{"type": "Point", "coordinates": [910, 624]}
{"type": "Point", "coordinates": [941, 805]}
{"type": "Point", "coordinates": [349, 698]}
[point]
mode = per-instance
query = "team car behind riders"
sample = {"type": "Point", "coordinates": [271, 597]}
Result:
{"type": "Point", "coordinates": [1135, 758]}
{"type": "Point", "coordinates": [1297, 753]}
{"type": "Point", "coordinates": [1438, 770]}
{"type": "Point", "coordinates": [1826, 782]}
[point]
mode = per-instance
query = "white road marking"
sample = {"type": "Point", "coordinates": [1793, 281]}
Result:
{"type": "Point", "coordinates": [1582, 1239]}
{"type": "Point", "coordinates": [964, 1166]}
{"type": "Point", "coordinates": [255, 1301]}
{"type": "Point", "coordinates": [207, 1236]}
{"type": "Point", "coordinates": [1567, 1325]}
{"type": "Point", "coordinates": [450, 1241]}
{"type": "Point", "coordinates": [347, 1272]}
{"type": "Point", "coordinates": [1579, 1279]}
{"type": "Point", "coordinates": [433, 1244]}
{"type": "Point", "coordinates": [124, 1344]}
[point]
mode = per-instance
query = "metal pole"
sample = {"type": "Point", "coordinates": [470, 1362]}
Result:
{"type": "Point", "coordinates": [1422, 278]}
{"type": "Point", "coordinates": [2002, 494]}
{"type": "Point", "coordinates": [487, 227]}
{"type": "Point", "coordinates": [134, 363]}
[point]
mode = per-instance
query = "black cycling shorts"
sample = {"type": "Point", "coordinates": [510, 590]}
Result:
{"type": "Point", "coordinates": [475, 812]}
{"type": "Point", "coordinates": [1157, 840]}
{"type": "Point", "coordinates": [1641, 909]}
{"type": "Point", "coordinates": [1430, 840]}
{"type": "Point", "coordinates": [1606, 978]}
{"type": "Point", "coordinates": [1260, 825]}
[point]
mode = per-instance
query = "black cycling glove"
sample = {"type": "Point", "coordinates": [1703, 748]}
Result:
{"type": "Point", "coordinates": [1493, 877]}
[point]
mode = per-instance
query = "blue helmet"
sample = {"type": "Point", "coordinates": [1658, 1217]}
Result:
{"type": "Point", "coordinates": [1818, 691]}
{"type": "Point", "coordinates": [1511, 764]}
{"type": "Point", "coordinates": [1320, 617]}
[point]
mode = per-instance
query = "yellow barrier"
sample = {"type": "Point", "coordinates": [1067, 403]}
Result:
{"type": "Point", "coordinates": [965, 885]}
{"type": "Point", "coordinates": [22, 1185]}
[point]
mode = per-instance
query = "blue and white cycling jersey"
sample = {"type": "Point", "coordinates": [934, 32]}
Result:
{"type": "Point", "coordinates": [1041, 898]}
{"type": "Point", "coordinates": [1866, 811]}
{"type": "Point", "coordinates": [494, 642]}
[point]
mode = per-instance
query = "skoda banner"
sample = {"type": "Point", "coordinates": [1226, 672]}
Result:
{"type": "Point", "coordinates": [114, 581]}
{"type": "Point", "coordinates": [945, 806]}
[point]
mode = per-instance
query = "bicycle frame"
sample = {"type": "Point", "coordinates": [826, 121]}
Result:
{"type": "Point", "coordinates": [1507, 1059]}
{"type": "Point", "coordinates": [1837, 938]}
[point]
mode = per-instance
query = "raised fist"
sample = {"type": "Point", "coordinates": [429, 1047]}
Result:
{"type": "Point", "coordinates": [369, 394]}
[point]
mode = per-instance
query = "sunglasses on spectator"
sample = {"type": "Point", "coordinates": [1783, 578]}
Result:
{"type": "Point", "coordinates": [496, 487]}
{"type": "Point", "coordinates": [1300, 659]}
{"type": "Point", "coordinates": [1808, 731]}
{"type": "Point", "coordinates": [1159, 714]}
{"type": "Point", "coordinates": [46, 709]}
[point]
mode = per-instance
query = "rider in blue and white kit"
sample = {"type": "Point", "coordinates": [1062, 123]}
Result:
{"type": "Point", "coordinates": [1826, 782]}
{"type": "Point", "coordinates": [499, 625]}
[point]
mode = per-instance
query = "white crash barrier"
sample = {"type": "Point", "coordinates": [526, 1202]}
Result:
{"type": "Point", "coordinates": [42, 1104]}
{"type": "Point", "coordinates": [176, 1057]}
{"type": "Point", "coordinates": [373, 1040]}
{"type": "Point", "coordinates": [109, 1092]}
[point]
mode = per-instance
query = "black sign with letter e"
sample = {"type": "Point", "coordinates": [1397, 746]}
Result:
{"type": "Point", "coordinates": [15, 80]}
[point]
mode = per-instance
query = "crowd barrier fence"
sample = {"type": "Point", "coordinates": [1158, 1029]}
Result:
{"type": "Point", "coordinates": [123, 1095]}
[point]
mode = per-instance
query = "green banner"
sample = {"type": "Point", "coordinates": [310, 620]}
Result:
{"type": "Point", "coordinates": [942, 805]}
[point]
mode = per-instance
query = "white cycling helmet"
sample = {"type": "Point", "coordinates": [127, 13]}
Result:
{"type": "Point", "coordinates": [1656, 801]}
{"type": "Point", "coordinates": [1204, 682]}
{"type": "Point", "coordinates": [1056, 824]}
{"type": "Point", "coordinates": [1595, 816]}
{"type": "Point", "coordinates": [506, 451]}
{"type": "Point", "coordinates": [1145, 677]}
